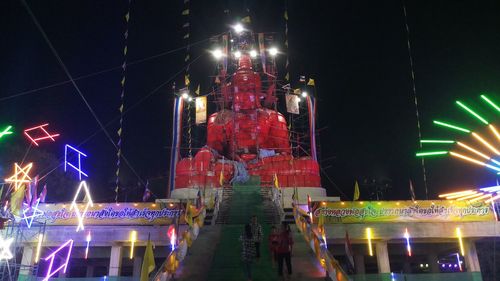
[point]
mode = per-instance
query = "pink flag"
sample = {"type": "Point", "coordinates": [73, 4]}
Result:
{"type": "Point", "coordinates": [43, 194]}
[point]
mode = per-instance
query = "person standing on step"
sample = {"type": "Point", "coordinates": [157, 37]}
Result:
{"type": "Point", "coordinates": [247, 251]}
{"type": "Point", "coordinates": [273, 243]}
{"type": "Point", "coordinates": [257, 235]}
{"type": "Point", "coordinates": [284, 249]}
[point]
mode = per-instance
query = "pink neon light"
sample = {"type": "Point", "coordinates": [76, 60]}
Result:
{"type": "Point", "coordinates": [52, 256]}
{"type": "Point", "coordinates": [88, 239]}
{"type": "Point", "coordinates": [408, 246]}
{"type": "Point", "coordinates": [42, 128]}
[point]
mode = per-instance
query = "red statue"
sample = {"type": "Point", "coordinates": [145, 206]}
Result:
{"type": "Point", "coordinates": [247, 137]}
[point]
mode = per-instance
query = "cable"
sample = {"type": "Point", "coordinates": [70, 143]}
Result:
{"type": "Point", "coordinates": [126, 111]}
{"type": "Point", "coordinates": [63, 66]}
{"type": "Point", "coordinates": [101, 71]}
{"type": "Point", "coordinates": [415, 97]}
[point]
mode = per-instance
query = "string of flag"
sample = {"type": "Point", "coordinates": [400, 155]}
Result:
{"type": "Point", "coordinates": [285, 16]}
{"type": "Point", "coordinates": [122, 101]}
{"type": "Point", "coordinates": [415, 100]}
{"type": "Point", "coordinates": [187, 34]}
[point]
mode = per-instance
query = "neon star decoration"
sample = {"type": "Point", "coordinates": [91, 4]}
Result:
{"type": "Point", "coordinates": [483, 149]}
{"type": "Point", "coordinates": [80, 215]}
{"type": "Point", "coordinates": [6, 131]}
{"type": "Point", "coordinates": [64, 265]}
{"type": "Point", "coordinates": [21, 175]}
{"type": "Point", "coordinates": [68, 149]}
{"type": "Point", "coordinates": [43, 135]}
{"type": "Point", "coordinates": [5, 253]}
{"type": "Point", "coordinates": [31, 212]}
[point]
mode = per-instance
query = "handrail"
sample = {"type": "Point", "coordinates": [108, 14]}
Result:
{"type": "Point", "coordinates": [319, 247]}
{"type": "Point", "coordinates": [277, 198]}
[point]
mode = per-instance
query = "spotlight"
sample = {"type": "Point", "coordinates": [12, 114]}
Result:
{"type": "Point", "coordinates": [304, 94]}
{"type": "Point", "coordinates": [185, 95]}
{"type": "Point", "coordinates": [253, 53]}
{"type": "Point", "coordinates": [273, 51]}
{"type": "Point", "coordinates": [217, 53]}
{"type": "Point", "coordinates": [238, 28]}
{"type": "Point", "coordinates": [237, 54]}
{"type": "Point", "coordinates": [190, 99]}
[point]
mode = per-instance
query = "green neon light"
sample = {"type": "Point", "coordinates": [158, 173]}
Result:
{"type": "Point", "coordinates": [437, 141]}
{"type": "Point", "coordinates": [472, 112]}
{"type": "Point", "coordinates": [6, 131]}
{"type": "Point", "coordinates": [451, 126]}
{"type": "Point", "coordinates": [431, 153]}
{"type": "Point", "coordinates": [490, 102]}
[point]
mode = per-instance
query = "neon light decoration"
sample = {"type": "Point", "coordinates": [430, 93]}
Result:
{"type": "Point", "coordinates": [5, 253]}
{"type": "Point", "coordinates": [79, 155]}
{"type": "Point", "coordinates": [408, 246]}
{"type": "Point", "coordinates": [87, 239]}
{"type": "Point", "coordinates": [64, 265]}
{"type": "Point", "coordinates": [491, 147]}
{"type": "Point", "coordinates": [133, 239]}
{"type": "Point", "coordinates": [81, 215]}
{"type": "Point", "coordinates": [472, 112]}
{"type": "Point", "coordinates": [459, 262]}
{"type": "Point", "coordinates": [460, 242]}
{"type": "Point", "coordinates": [35, 212]}
{"type": "Point", "coordinates": [369, 237]}
{"type": "Point", "coordinates": [172, 236]}
{"type": "Point", "coordinates": [443, 124]}
{"type": "Point", "coordinates": [485, 98]}
{"type": "Point", "coordinates": [46, 135]}
{"type": "Point", "coordinates": [437, 141]}
{"type": "Point", "coordinates": [431, 153]}
{"type": "Point", "coordinates": [20, 176]}
{"type": "Point", "coordinates": [38, 247]}
{"type": "Point", "coordinates": [6, 131]}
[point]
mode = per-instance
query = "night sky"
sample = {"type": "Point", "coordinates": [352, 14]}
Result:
{"type": "Point", "coordinates": [355, 50]}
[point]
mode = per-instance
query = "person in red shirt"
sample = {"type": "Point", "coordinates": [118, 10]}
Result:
{"type": "Point", "coordinates": [284, 249]}
{"type": "Point", "coordinates": [273, 243]}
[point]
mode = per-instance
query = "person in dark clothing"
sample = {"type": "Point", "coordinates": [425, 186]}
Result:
{"type": "Point", "coordinates": [284, 249]}
{"type": "Point", "coordinates": [248, 252]}
{"type": "Point", "coordinates": [257, 235]}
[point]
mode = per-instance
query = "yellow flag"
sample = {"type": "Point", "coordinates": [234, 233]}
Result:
{"type": "Point", "coordinates": [185, 12]}
{"type": "Point", "coordinates": [186, 80]}
{"type": "Point", "coordinates": [188, 215]}
{"type": "Point", "coordinates": [221, 179]}
{"type": "Point", "coordinates": [246, 19]}
{"type": "Point", "coordinates": [148, 263]}
{"type": "Point", "coordinates": [296, 91]}
{"type": "Point", "coordinates": [16, 200]}
{"type": "Point", "coordinates": [356, 191]}
{"type": "Point", "coordinates": [276, 183]}
{"type": "Point", "coordinates": [197, 90]}
{"type": "Point", "coordinates": [311, 82]}
{"type": "Point", "coordinates": [321, 222]}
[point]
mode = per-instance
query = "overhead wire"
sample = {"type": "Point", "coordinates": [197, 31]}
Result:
{"type": "Point", "coordinates": [68, 74]}
{"type": "Point", "coordinates": [415, 99]}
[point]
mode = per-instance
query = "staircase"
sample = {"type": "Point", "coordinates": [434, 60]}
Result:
{"type": "Point", "coordinates": [246, 200]}
{"type": "Point", "coordinates": [225, 204]}
{"type": "Point", "coordinates": [216, 254]}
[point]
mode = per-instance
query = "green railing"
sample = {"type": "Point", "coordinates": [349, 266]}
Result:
{"type": "Point", "coordinates": [459, 276]}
